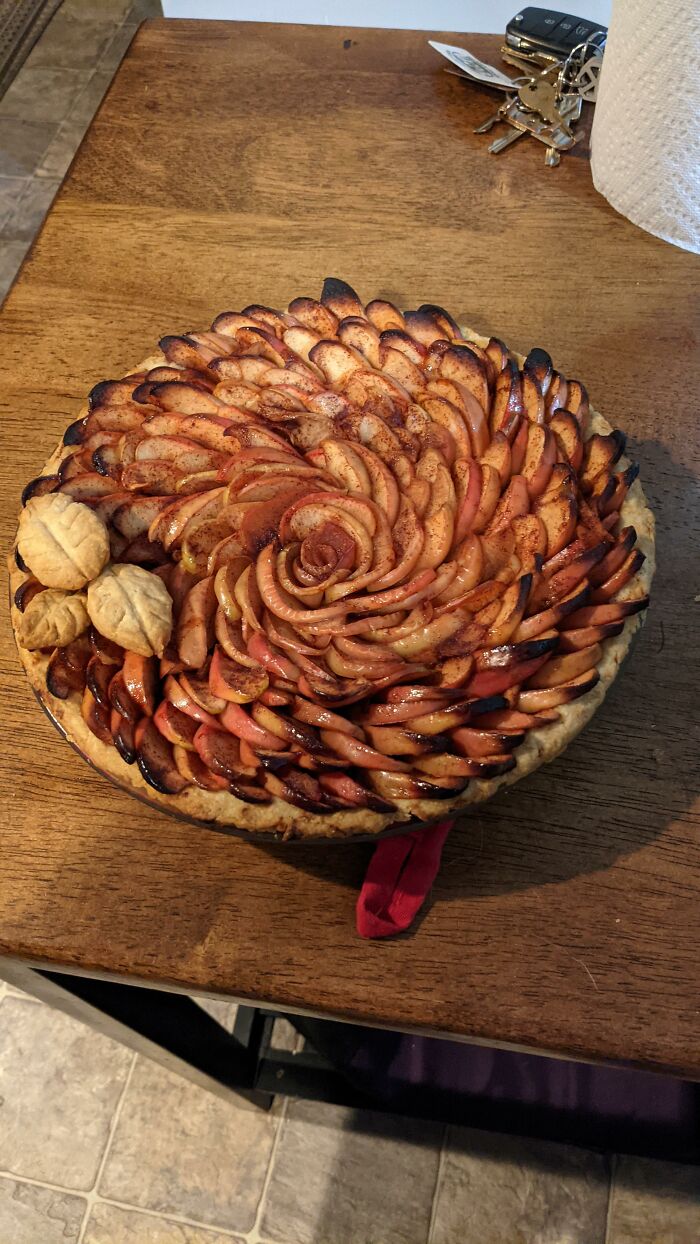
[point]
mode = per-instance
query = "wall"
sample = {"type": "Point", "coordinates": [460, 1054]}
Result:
{"type": "Point", "coordinates": [474, 15]}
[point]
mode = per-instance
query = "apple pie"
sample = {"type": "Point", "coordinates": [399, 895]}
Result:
{"type": "Point", "coordinates": [321, 571]}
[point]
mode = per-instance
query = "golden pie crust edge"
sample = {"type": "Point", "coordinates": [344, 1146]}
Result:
{"type": "Point", "coordinates": [278, 818]}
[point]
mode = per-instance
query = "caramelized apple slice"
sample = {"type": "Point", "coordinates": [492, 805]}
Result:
{"type": "Point", "coordinates": [490, 493]}
{"type": "Point", "coordinates": [392, 786]}
{"type": "Point", "coordinates": [123, 732]}
{"type": "Point", "coordinates": [340, 298]}
{"type": "Point", "coordinates": [445, 765]}
{"type": "Point", "coordinates": [559, 518]}
{"type": "Point", "coordinates": [98, 676]}
{"type": "Point", "coordinates": [583, 637]}
{"type": "Point", "coordinates": [155, 759]}
{"type": "Point", "coordinates": [352, 794]}
{"type": "Point", "coordinates": [600, 615]}
{"type": "Point", "coordinates": [562, 669]}
{"type": "Point", "coordinates": [564, 693]}
{"type": "Point", "coordinates": [479, 744]}
{"type": "Point", "coordinates": [186, 703]}
{"type": "Point", "coordinates": [195, 627]}
{"type": "Point", "coordinates": [96, 718]}
{"type": "Point", "coordinates": [234, 683]}
{"type": "Point", "coordinates": [141, 681]}
{"type": "Point", "coordinates": [121, 700]}
{"type": "Point", "coordinates": [494, 681]}
{"type": "Point", "coordinates": [193, 769]}
{"type": "Point", "coordinates": [174, 725]}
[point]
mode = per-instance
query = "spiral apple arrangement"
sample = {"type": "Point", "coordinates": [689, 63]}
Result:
{"type": "Point", "coordinates": [385, 553]}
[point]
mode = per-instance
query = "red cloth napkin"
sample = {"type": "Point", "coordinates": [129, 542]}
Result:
{"type": "Point", "coordinates": [398, 879]}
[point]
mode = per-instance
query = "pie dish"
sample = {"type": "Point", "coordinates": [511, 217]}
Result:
{"type": "Point", "coordinates": [332, 569]}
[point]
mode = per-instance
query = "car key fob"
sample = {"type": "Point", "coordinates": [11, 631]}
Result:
{"type": "Point", "coordinates": [551, 33]}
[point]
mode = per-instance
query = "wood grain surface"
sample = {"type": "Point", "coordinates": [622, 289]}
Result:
{"type": "Point", "coordinates": [233, 163]}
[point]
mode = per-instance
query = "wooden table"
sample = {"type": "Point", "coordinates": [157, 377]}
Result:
{"type": "Point", "coordinates": [233, 163]}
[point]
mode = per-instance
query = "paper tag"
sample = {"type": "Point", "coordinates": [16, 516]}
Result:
{"type": "Point", "coordinates": [474, 68]}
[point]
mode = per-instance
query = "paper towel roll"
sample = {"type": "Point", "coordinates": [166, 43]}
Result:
{"type": "Point", "coordinates": [646, 126]}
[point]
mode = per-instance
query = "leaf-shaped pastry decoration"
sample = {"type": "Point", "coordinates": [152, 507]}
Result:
{"type": "Point", "coordinates": [64, 543]}
{"type": "Point", "coordinates": [52, 619]}
{"type": "Point", "coordinates": [133, 608]}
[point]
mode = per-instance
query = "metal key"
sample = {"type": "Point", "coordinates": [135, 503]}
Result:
{"type": "Point", "coordinates": [540, 95]}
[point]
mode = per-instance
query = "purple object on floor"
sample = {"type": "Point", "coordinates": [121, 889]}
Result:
{"type": "Point", "coordinates": [608, 1107]}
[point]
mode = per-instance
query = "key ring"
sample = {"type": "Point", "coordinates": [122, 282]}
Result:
{"type": "Point", "coordinates": [581, 70]}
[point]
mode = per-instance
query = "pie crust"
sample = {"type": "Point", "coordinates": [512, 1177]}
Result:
{"type": "Point", "coordinates": [220, 809]}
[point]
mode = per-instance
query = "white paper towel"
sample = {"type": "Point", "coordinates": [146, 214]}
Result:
{"type": "Point", "coordinates": [646, 127]}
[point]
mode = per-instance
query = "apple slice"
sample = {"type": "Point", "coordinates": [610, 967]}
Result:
{"type": "Point", "coordinates": [538, 364]}
{"type": "Point", "coordinates": [564, 693]}
{"type": "Point", "coordinates": [556, 394]}
{"type": "Point", "coordinates": [183, 398]}
{"type": "Point", "coordinates": [352, 794]}
{"type": "Point", "coordinates": [394, 741]}
{"type": "Point", "coordinates": [423, 326]}
{"type": "Point", "coordinates": [577, 401]}
{"type": "Point", "coordinates": [195, 626]}
{"type": "Point", "coordinates": [600, 615]}
{"type": "Point", "coordinates": [176, 694]}
{"type": "Point", "coordinates": [540, 456]}
{"type": "Point", "coordinates": [514, 503]}
{"type": "Point", "coordinates": [585, 636]}
{"type": "Point", "coordinates": [235, 719]}
{"type": "Point", "coordinates": [614, 558]}
{"type": "Point", "coordinates": [86, 486]}
{"type": "Point", "coordinates": [559, 585]}
{"type": "Point", "coordinates": [123, 733]}
{"type": "Point", "coordinates": [120, 699]}
{"type": "Point", "coordinates": [336, 361]}
{"type": "Point", "coordinates": [191, 766]}
{"type": "Point", "coordinates": [384, 315]}
{"type": "Point", "coordinates": [567, 435]}
{"type": "Point", "coordinates": [507, 397]}
{"type": "Point", "coordinates": [199, 541]}
{"type": "Point", "coordinates": [357, 753]}
{"type": "Point", "coordinates": [175, 726]}
{"type": "Point", "coordinates": [538, 623]}
{"type": "Point", "coordinates": [198, 688]}
{"type": "Point", "coordinates": [313, 315]}
{"type": "Point", "coordinates": [362, 336]}
{"type": "Point", "coordinates": [459, 364]}
{"type": "Point", "coordinates": [519, 445]}
{"type": "Point", "coordinates": [340, 298]}
{"type": "Point", "coordinates": [601, 452]}
{"type": "Point", "coordinates": [490, 494]}
{"type": "Point", "coordinates": [406, 786]}
{"type": "Point", "coordinates": [495, 681]}
{"type": "Point", "coordinates": [26, 592]}
{"type": "Point", "coordinates": [499, 455]}
{"type": "Point", "coordinates": [559, 519]}
{"type": "Point", "coordinates": [234, 683]}
{"type": "Point", "coordinates": [533, 401]}
{"type": "Point", "coordinates": [446, 765]}
{"type": "Point", "coordinates": [185, 352]}
{"type": "Point", "coordinates": [478, 744]}
{"type": "Point", "coordinates": [530, 541]}
{"type": "Point", "coordinates": [512, 609]}
{"type": "Point", "coordinates": [227, 552]}
{"type": "Point", "coordinates": [151, 477]}
{"type": "Point", "coordinates": [171, 519]}
{"type": "Point", "coordinates": [221, 753]}
{"type": "Point", "coordinates": [291, 732]}
{"type": "Point", "coordinates": [141, 681]}
{"type": "Point", "coordinates": [98, 676]}
{"type": "Point", "coordinates": [563, 668]}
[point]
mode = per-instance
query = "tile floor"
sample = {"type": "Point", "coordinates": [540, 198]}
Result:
{"type": "Point", "coordinates": [98, 1146]}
